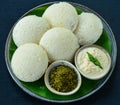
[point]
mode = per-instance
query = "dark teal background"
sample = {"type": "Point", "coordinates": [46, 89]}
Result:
{"type": "Point", "coordinates": [11, 94]}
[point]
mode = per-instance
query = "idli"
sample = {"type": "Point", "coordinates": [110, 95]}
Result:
{"type": "Point", "coordinates": [29, 62]}
{"type": "Point", "coordinates": [62, 15]}
{"type": "Point", "coordinates": [29, 29]}
{"type": "Point", "coordinates": [89, 29]}
{"type": "Point", "coordinates": [60, 44]}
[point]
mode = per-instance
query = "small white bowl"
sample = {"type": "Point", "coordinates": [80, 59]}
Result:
{"type": "Point", "coordinates": [92, 75]}
{"type": "Point", "coordinates": [64, 63]}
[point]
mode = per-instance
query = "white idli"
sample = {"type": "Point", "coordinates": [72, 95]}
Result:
{"type": "Point", "coordinates": [29, 62]}
{"type": "Point", "coordinates": [89, 29]}
{"type": "Point", "coordinates": [61, 15]}
{"type": "Point", "coordinates": [29, 29]}
{"type": "Point", "coordinates": [60, 44]}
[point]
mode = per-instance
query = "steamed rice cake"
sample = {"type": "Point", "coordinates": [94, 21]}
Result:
{"type": "Point", "coordinates": [29, 62]}
{"type": "Point", "coordinates": [60, 44]}
{"type": "Point", "coordinates": [89, 28]}
{"type": "Point", "coordinates": [62, 15]}
{"type": "Point", "coordinates": [29, 29]}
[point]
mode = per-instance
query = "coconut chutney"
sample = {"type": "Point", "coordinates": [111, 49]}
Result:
{"type": "Point", "coordinates": [95, 67]}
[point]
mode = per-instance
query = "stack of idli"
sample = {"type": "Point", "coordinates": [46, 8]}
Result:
{"type": "Point", "coordinates": [55, 36]}
{"type": "Point", "coordinates": [30, 60]}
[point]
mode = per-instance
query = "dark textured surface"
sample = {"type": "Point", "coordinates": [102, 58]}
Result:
{"type": "Point", "coordinates": [11, 94]}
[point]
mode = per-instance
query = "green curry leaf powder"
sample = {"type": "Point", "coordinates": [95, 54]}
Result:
{"type": "Point", "coordinates": [63, 78]}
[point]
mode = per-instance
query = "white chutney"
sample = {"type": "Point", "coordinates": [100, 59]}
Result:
{"type": "Point", "coordinates": [88, 68]}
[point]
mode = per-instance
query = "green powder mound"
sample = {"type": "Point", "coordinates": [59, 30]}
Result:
{"type": "Point", "coordinates": [63, 79]}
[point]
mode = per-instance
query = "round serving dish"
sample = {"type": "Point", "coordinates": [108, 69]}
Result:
{"type": "Point", "coordinates": [38, 89]}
